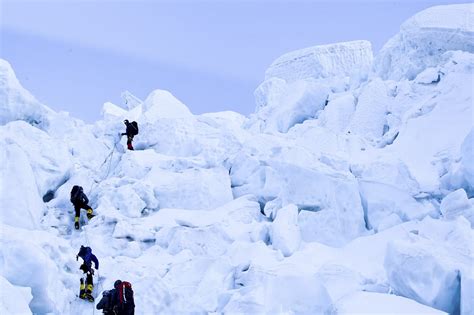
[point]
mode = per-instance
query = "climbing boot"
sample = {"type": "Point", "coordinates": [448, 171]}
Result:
{"type": "Point", "coordinates": [89, 289]}
{"type": "Point", "coordinates": [90, 215]}
{"type": "Point", "coordinates": [76, 223]}
{"type": "Point", "coordinates": [82, 290]}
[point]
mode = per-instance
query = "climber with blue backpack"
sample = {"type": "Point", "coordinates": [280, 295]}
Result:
{"type": "Point", "coordinates": [85, 289]}
{"type": "Point", "coordinates": [130, 132]}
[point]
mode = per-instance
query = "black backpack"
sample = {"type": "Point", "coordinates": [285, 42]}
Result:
{"type": "Point", "coordinates": [76, 194]}
{"type": "Point", "coordinates": [135, 128]}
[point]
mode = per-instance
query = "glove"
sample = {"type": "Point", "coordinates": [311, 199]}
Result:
{"type": "Point", "coordinates": [92, 271]}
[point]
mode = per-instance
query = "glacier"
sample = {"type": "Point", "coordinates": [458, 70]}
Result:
{"type": "Point", "coordinates": [349, 190]}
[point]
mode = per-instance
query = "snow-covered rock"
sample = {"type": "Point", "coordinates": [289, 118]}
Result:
{"type": "Point", "coordinates": [424, 38]}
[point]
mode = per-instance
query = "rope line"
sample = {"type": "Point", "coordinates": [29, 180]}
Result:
{"type": "Point", "coordinates": [95, 182]}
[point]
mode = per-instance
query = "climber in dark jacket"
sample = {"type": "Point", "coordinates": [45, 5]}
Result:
{"type": "Point", "coordinates": [108, 302]}
{"type": "Point", "coordinates": [86, 254]}
{"type": "Point", "coordinates": [130, 132]}
{"type": "Point", "coordinates": [118, 301]}
{"type": "Point", "coordinates": [80, 201]}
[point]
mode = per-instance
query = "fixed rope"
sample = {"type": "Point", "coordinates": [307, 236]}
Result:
{"type": "Point", "coordinates": [95, 182]}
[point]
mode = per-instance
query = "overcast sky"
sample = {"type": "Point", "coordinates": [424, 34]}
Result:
{"type": "Point", "coordinates": [76, 55]}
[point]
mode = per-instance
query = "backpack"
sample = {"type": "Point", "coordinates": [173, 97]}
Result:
{"type": "Point", "coordinates": [76, 194]}
{"type": "Point", "coordinates": [125, 294]}
{"type": "Point", "coordinates": [135, 128]}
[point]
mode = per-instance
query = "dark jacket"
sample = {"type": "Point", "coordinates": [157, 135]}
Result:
{"type": "Point", "coordinates": [110, 304]}
{"type": "Point", "coordinates": [86, 254]}
{"type": "Point", "coordinates": [131, 130]}
{"type": "Point", "coordinates": [79, 198]}
{"type": "Point", "coordinates": [108, 301]}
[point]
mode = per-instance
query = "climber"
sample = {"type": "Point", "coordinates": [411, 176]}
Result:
{"type": "Point", "coordinates": [118, 301]}
{"type": "Point", "coordinates": [80, 201]}
{"type": "Point", "coordinates": [130, 132]}
{"type": "Point", "coordinates": [85, 289]}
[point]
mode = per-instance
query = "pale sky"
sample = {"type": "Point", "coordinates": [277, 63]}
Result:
{"type": "Point", "coordinates": [76, 55]}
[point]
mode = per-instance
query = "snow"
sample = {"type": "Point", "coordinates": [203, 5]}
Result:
{"type": "Point", "coordinates": [424, 38]}
{"type": "Point", "coordinates": [297, 102]}
{"type": "Point", "coordinates": [325, 61]}
{"type": "Point", "coordinates": [285, 234]}
{"type": "Point", "coordinates": [377, 303]}
{"type": "Point", "coordinates": [428, 269]}
{"type": "Point", "coordinates": [456, 204]}
{"type": "Point", "coordinates": [347, 191]}
{"type": "Point", "coordinates": [467, 154]}
{"type": "Point", "coordinates": [14, 299]}
{"type": "Point", "coordinates": [162, 104]}
{"type": "Point", "coordinates": [16, 103]}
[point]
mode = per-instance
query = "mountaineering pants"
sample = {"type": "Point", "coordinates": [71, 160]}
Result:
{"type": "Point", "coordinates": [129, 142]}
{"type": "Point", "coordinates": [88, 286]}
{"type": "Point", "coordinates": [78, 207]}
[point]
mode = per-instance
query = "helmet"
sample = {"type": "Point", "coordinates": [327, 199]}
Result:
{"type": "Point", "coordinates": [125, 121]}
{"type": "Point", "coordinates": [117, 284]}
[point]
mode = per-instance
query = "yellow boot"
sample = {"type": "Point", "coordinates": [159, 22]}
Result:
{"type": "Point", "coordinates": [76, 222]}
{"type": "Point", "coordinates": [89, 288]}
{"type": "Point", "coordinates": [90, 215]}
{"type": "Point", "coordinates": [82, 289]}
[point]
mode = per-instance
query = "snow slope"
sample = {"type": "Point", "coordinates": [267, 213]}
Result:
{"type": "Point", "coordinates": [349, 190]}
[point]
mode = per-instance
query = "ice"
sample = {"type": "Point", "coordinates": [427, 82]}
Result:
{"type": "Point", "coordinates": [15, 299]}
{"type": "Point", "coordinates": [435, 128]}
{"type": "Point", "coordinates": [428, 76]}
{"type": "Point", "coordinates": [423, 38]}
{"type": "Point", "coordinates": [456, 204]}
{"type": "Point", "coordinates": [370, 113]}
{"type": "Point", "coordinates": [346, 191]}
{"type": "Point", "coordinates": [162, 104]}
{"type": "Point", "coordinates": [16, 103]}
{"type": "Point", "coordinates": [467, 155]}
{"type": "Point", "coordinates": [17, 172]}
{"type": "Point", "coordinates": [296, 102]}
{"type": "Point", "coordinates": [346, 59]}
{"type": "Point", "coordinates": [130, 100]}
{"type": "Point", "coordinates": [381, 201]}
{"type": "Point", "coordinates": [296, 294]}
{"type": "Point", "coordinates": [338, 113]}
{"type": "Point", "coordinates": [377, 303]}
{"type": "Point", "coordinates": [429, 267]}
{"type": "Point", "coordinates": [285, 234]}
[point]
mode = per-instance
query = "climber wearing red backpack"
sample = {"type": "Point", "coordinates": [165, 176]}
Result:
{"type": "Point", "coordinates": [118, 301]}
{"type": "Point", "coordinates": [130, 132]}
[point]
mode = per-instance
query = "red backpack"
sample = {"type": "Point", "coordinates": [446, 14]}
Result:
{"type": "Point", "coordinates": [125, 293]}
